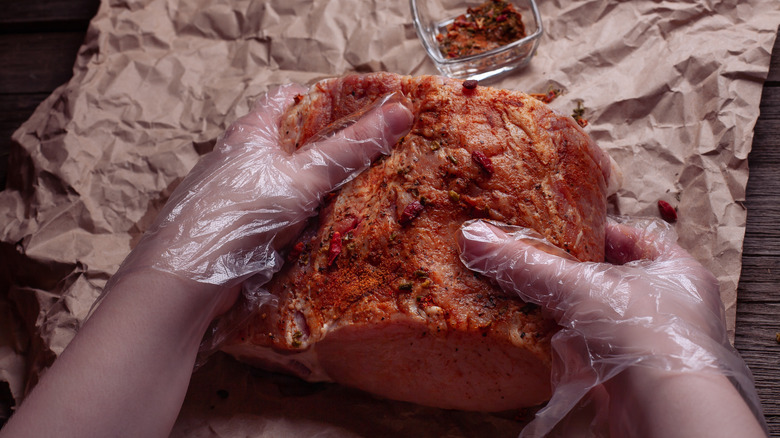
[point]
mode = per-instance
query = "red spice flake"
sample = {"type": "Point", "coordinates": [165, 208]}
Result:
{"type": "Point", "coordinates": [347, 224]}
{"type": "Point", "coordinates": [425, 300]}
{"type": "Point", "coordinates": [410, 212]}
{"type": "Point", "coordinates": [468, 200]}
{"type": "Point", "coordinates": [548, 96]}
{"type": "Point", "coordinates": [335, 247]}
{"type": "Point", "coordinates": [298, 98]}
{"type": "Point", "coordinates": [668, 213]}
{"type": "Point", "coordinates": [470, 84]}
{"type": "Point", "coordinates": [483, 160]}
{"type": "Point", "coordinates": [296, 251]}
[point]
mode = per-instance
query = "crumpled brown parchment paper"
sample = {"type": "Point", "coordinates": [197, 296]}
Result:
{"type": "Point", "coordinates": [671, 91]}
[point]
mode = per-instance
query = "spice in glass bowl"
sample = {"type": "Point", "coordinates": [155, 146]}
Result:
{"type": "Point", "coordinates": [490, 25]}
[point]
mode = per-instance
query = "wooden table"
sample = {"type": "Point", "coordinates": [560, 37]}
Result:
{"type": "Point", "coordinates": [758, 295]}
{"type": "Point", "coordinates": [39, 40]}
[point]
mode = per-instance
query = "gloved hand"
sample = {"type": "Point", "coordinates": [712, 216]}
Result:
{"type": "Point", "coordinates": [652, 306]}
{"type": "Point", "coordinates": [222, 224]}
{"type": "Point", "coordinates": [248, 197]}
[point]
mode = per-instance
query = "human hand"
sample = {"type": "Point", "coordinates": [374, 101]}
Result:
{"type": "Point", "coordinates": [653, 306]}
{"type": "Point", "coordinates": [223, 223]}
{"type": "Point", "coordinates": [248, 197]}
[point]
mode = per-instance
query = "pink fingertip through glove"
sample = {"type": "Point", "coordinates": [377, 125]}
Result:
{"type": "Point", "coordinates": [242, 202]}
{"type": "Point", "coordinates": [651, 305]}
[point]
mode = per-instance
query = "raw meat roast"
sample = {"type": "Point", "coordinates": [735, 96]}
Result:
{"type": "Point", "coordinates": [374, 296]}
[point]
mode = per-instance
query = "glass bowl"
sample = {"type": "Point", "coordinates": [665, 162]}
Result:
{"type": "Point", "coordinates": [431, 18]}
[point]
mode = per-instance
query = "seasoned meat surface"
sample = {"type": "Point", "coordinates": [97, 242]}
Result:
{"type": "Point", "coordinates": [374, 295]}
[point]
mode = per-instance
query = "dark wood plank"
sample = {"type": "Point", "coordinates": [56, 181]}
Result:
{"type": "Point", "coordinates": [15, 109]}
{"type": "Point", "coordinates": [758, 300]}
{"type": "Point", "coordinates": [766, 138]}
{"type": "Point", "coordinates": [770, 112]}
{"type": "Point", "coordinates": [757, 326]}
{"type": "Point", "coordinates": [46, 15]}
{"type": "Point", "coordinates": [758, 270]}
{"type": "Point", "coordinates": [34, 65]}
{"type": "Point", "coordinates": [774, 66]}
{"type": "Point", "coordinates": [37, 63]}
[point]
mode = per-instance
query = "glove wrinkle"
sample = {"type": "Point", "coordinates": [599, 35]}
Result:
{"type": "Point", "coordinates": [652, 306]}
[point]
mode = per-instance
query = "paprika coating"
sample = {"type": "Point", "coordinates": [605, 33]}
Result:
{"type": "Point", "coordinates": [392, 310]}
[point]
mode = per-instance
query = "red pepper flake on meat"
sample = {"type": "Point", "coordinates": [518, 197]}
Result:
{"type": "Point", "coordinates": [296, 251]}
{"type": "Point", "coordinates": [410, 212]}
{"type": "Point", "coordinates": [335, 247]}
{"type": "Point", "coordinates": [668, 213]}
{"type": "Point", "coordinates": [483, 160]}
{"type": "Point", "coordinates": [488, 26]}
{"type": "Point", "coordinates": [425, 300]}
{"type": "Point", "coordinates": [470, 201]}
{"type": "Point", "coordinates": [470, 84]}
{"type": "Point", "coordinates": [347, 224]}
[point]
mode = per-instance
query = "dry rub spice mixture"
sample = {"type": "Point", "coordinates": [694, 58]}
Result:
{"type": "Point", "coordinates": [493, 24]}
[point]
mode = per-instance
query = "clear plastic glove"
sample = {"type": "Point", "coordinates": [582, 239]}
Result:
{"type": "Point", "coordinates": [223, 223]}
{"type": "Point", "coordinates": [652, 307]}
{"type": "Point", "coordinates": [249, 197]}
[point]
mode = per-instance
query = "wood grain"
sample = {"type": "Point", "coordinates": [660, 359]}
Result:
{"type": "Point", "coordinates": [39, 40]}
{"type": "Point", "coordinates": [37, 63]}
{"type": "Point", "coordinates": [758, 295]}
{"type": "Point", "coordinates": [38, 16]}
{"type": "Point", "coordinates": [774, 66]}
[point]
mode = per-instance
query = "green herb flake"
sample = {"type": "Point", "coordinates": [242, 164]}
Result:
{"type": "Point", "coordinates": [405, 286]}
